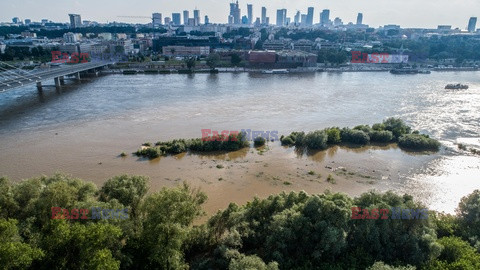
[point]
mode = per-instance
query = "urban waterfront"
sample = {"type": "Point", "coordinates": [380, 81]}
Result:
{"type": "Point", "coordinates": [82, 128]}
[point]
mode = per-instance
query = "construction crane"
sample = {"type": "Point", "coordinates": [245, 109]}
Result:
{"type": "Point", "coordinates": [136, 17]}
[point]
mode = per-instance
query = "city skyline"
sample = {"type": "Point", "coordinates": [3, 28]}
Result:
{"type": "Point", "coordinates": [376, 13]}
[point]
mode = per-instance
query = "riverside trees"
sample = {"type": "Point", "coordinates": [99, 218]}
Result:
{"type": "Point", "coordinates": [292, 230]}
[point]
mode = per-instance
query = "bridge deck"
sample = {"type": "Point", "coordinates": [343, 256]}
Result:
{"type": "Point", "coordinates": [11, 79]}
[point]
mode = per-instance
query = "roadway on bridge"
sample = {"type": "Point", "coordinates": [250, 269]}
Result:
{"type": "Point", "coordinates": [16, 78]}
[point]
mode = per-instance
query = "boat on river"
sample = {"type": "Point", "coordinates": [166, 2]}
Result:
{"type": "Point", "coordinates": [456, 86]}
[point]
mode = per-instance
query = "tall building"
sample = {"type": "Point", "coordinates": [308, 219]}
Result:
{"type": "Point", "coordinates": [250, 13]}
{"type": "Point", "coordinates": [472, 23]}
{"type": "Point", "coordinates": [337, 22]}
{"type": "Point", "coordinates": [230, 19]}
{"type": "Point", "coordinates": [360, 18]}
{"type": "Point", "coordinates": [310, 16]}
{"type": "Point", "coordinates": [235, 13]}
{"type": "Point", "coordinates": [156, 19]}
{"type": "Point", "coordinates": [75, 20]}
{"type": "Point", "coordinates": [196, 16]}
{"type": "Point", "coordinates": [325, 17]}
{"type": "Point", "coordinates": [281, 17]}
{"type": "Point", "coordinates": [185, 17]}
{"type": "Point", "coordinates": [207, 20]}
{"type": "Point", "coordinates": [264, 15]}
{"type": "Point", "coordinates": [167, 20]}
{"type": "Point", "coordinates": [176, 19]}
{"type": "Point", "coordinates": [296, 19]}
{"type": "Point", "coordinates": [303, 19]}
{"type": "Point", "coordinates": [28, 21]}
{"type": "Point", "coordinates": [16, 20]}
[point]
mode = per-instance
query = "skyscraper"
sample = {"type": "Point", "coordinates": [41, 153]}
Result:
{"type": "Point", "coordinates": [325, 17]}
{"type": "Point", "coordinates": [264, 15]}
{"type": "Point", "coordinates": [472, 23]}
{"type": "Point", "coordinates": [176, 18]}
{"type": "Point", "coordinates": [196, 16]}
{"type": "Point", "coordinates": [235, 12]}
{"type": "Point", "coordinates": [75, 20]}
{"type": "Point", "coordinates": [156, 19]}
{"type": "Point", "coordinates": [359, 18]}
{"type": "Point", "coordinates": [250, 13]}
{"type": "Point", "coordinates": [303, 19]}
{"type": "Point", "coordinates": [185, 17]}
{"type": "Point", "coordinates": [296, 19]}
{"type": "Point", "coordinates": [207, 20]}
{"type": "Point", "coordinates": [281, 17]}
{"type": "Point", "coordinates": [310, 16]}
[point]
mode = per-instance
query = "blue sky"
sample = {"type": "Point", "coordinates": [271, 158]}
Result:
{"type": "Point", "coordinates": [407, 13]}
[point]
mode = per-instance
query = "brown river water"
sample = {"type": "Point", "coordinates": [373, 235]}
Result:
{"type": "Point", "coordinates": [82, 128]}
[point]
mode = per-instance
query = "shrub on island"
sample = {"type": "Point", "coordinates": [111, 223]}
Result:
{"type": "Point", "coordinates": [354, 136]}
{"type": "Point", "coordinates": [316, 140]}
{"type": "Point", "coordinates": [381, 136]}
{"type": "Point", "coordinates": [418, 142]}
{"type": "Point", "coordinates": [220, 143]}
{"type": "Point", "coordinates": [334, 136]}
{"type": "Point", "coordinates": [390, 130]}
{"type": "Point", "coordinates": [259, 141]}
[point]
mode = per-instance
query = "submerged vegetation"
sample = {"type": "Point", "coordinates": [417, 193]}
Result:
{"type": "Point", "coordinates": [392, 130]}
{"type": "Point", "coordinates": [230, 143]}
{"type": "Point", "coordinates": [292, 230]}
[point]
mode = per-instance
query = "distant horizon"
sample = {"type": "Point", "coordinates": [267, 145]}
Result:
{"type": "Point", "coordinates": [407, 13]}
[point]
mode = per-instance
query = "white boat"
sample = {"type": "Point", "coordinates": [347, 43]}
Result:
{"type": "Point", "coordinates": [275, 71]}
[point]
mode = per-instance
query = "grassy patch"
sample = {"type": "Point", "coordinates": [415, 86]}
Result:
{"type": "Point", "coordinates": [331, 179]}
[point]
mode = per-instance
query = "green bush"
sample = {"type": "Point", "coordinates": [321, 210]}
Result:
{"type": "Point", "coordinates": [220, 143]}
{"type": "Point", "coordinates": [397, 127]}
{"type": "Point", "coordinates": [378, 127]}
{"type": "Point", "coordinates": [364, 128]}
{"type": "Point", "coordinates": [333, 135]}
{"type": "Point", "coordinates": [300, 139]}
{"type": "Point", "coordinates": [259, 141]}
{"type": "Point", "coordinates": [316, 140]}
{"type": "Point", "coordinates": [289, 141]}
{"type": "Point", "coordinates": [381, 136]}
{"type": "Point", "coordinates": [418, 142]}
{"type": "Point", "coordinates": [354, 136]}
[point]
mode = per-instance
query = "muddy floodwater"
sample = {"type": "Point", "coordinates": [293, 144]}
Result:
{"type": "Point", "coordinates": [82, 128]}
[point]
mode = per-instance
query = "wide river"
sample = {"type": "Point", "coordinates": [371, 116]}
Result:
{"type": "Point", "coordinates": [82, 128]}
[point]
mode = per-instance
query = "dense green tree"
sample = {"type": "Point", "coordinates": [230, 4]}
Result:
{"type": "Point", "coordinates": [468, 213]}
{"type": "Point", "coordinates": [251, 262]}
{"type": "Point", "coordinates": [235, 59]}
{"type": "Point", "coordinates": [167, 216]}
{"type": "Point", "coordinates": [212, 60]}
{"type": "Point", "coordinates": [128, 190]}
{"type": "Point", "coordinates": [456, 254]}
{"type": "Point", "coordinates": [383, 266]}
{"type": "Point", "coordinates": [411, 241]}
{"type": "Point", "coordinates": [190, 62]}
{"type": "Point", "coordinates": [74, 245]}
{"type": "Point", "coordinates": [14, 254]}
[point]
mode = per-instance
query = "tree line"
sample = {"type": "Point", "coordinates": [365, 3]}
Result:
{"type": "Point", "coordinates": [292, 230]}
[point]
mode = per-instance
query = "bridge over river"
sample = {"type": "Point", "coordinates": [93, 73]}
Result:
{"type": "Point", "coordinates": [12, 78]}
